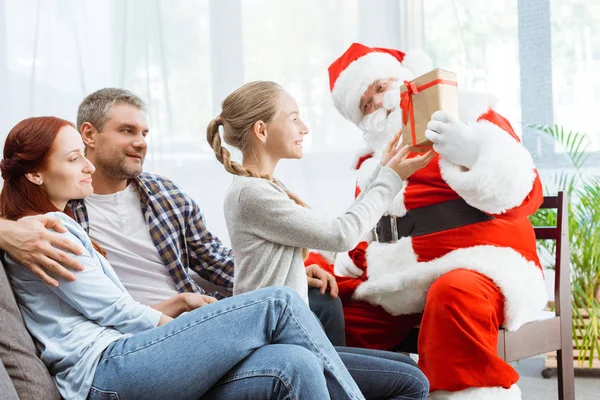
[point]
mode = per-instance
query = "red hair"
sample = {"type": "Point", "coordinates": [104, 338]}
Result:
{"type": "Point", "coordinates": [26, 150]}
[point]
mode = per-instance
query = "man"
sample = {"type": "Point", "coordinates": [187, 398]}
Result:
{"type": "Point", "coordinates": [466, 276]}
{"type": "Point", "coordinates": [153, 233]}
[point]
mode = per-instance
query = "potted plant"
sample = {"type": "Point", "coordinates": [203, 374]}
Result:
{"type": "Point", "coordinates": [584, 240]}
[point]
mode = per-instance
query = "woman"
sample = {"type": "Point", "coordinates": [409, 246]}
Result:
{"type": "Point", "coordinates": [99, 343]}
{"type": "Point", "coordinates": [271, 228]}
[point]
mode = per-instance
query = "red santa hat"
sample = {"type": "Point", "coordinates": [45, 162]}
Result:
{"type": "Point", "coordinates": [355, 70]}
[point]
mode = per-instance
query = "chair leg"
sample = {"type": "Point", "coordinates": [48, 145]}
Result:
{"type": "Point", "coordinates": [566, 373]}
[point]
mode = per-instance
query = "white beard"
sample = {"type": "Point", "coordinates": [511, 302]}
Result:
{"type": "Point", "coordinates": [378, 127]}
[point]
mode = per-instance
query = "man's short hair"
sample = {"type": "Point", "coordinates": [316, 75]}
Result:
{"type": "Point", "coordinates": [95, 107]}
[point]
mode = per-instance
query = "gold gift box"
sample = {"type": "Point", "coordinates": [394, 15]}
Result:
{"type": "Point", "coordinates": [436, 91]}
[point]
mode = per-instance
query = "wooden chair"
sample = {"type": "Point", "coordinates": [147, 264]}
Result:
{"type": "Point", "coordinates": [552, 331]}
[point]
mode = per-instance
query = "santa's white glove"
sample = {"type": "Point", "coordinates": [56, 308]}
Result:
{"type": "Point", "coordinates": [453, 140]}
{"type": "Point", "coordinates": [344, 266]}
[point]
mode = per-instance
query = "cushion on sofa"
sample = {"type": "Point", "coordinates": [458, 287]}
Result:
{"type": "Point", "coordinates": [28, 373]}
{"type": "Point", "coordinates": [6, 387]}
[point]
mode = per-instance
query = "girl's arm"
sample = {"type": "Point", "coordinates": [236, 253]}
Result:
{"type": "Point", "coordinates": [270, 214]}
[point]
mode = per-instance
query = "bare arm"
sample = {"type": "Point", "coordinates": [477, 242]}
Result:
{"type": "Point", "coordinates": [29, 242]}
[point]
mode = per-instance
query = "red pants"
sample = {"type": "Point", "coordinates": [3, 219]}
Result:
{"type": "Point", "coordinates": [458, 336]}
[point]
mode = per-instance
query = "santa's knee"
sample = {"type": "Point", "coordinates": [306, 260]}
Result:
{"type": "Point", "coordinates": [464, 291]}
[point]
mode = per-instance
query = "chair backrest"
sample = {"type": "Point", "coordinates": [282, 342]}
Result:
{"type": "Point", "coordinates": [559, 233]}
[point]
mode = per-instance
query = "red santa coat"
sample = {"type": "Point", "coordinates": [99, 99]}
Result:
{"type": "Point", "coordinates": [503, 183]}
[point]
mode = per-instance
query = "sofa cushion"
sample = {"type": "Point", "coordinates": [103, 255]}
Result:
{"type": "Point", "coordinates": [6, 387]}
{"type": "Point", "coordinates": [28, 373]}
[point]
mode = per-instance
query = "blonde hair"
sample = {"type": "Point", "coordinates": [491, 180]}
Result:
{"type": "Point", "coordinates": [252, 102]}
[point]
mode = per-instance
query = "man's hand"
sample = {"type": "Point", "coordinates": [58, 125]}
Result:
{"type": "Point", "coordinates": [320, 278]}
{"type": "Point", "coordinates": [196, 300]}
{"type": "Point", "coordinates": [453, 140]}
{"type": "Point", "coordinates": [28, 242]}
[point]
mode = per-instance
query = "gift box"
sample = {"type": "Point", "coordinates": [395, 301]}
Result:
{"type": "Point", "coordinates": [420, 98]}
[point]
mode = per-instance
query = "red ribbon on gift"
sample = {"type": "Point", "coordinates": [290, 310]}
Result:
{"type": "Point", "coordinates": [406, 103]}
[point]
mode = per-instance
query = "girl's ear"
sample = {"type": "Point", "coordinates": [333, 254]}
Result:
{"type": "Point", "coordinates": [259, 130]}
{"type": "Point", "coordinates": [35, 178]}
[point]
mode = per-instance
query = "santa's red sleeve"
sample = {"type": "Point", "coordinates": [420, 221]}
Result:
{"type": "Point", "coordinates": [503, 181]}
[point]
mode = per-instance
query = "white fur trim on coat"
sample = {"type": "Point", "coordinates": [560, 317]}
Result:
{"type": "Point", "coordinates": [329, 256]}
{"type": "Point", "coordinates": [502, 176]}
{"type": "Point", "coordinates": [343, 264]}
{"type": "Point", "coordinates": [366, 170]}
{"type": "Point", "coordinates": [386, 259]}
{"type": "Point", "coordinates": [359, 154]}
{"type": "Point", "coordinates": [400, 285]}
{"type": "Point", "coordinates": [479, 393]}
{"type": "Point", "coordinates": [353, 81]}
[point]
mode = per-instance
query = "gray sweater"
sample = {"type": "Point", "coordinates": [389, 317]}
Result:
{"type": "Point", "coordinates": [268, 230]}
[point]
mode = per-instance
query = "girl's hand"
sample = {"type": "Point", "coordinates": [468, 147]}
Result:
{"type": "Point", "coordinates": [390, 150]}
{"type": "Point", "coordinates": [404, 166]}
{"type": "Point", "coordinates": [320, 278]}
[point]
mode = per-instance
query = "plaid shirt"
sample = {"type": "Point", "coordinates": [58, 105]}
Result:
{"type": "Point", "coordinates": [179, 233]}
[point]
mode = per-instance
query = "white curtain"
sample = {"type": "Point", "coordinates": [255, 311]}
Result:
{"type": "Point", "coordinates": [184, 56]}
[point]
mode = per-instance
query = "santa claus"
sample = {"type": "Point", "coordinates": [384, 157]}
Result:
{"type": "Point", "coordinates": [456, 251]}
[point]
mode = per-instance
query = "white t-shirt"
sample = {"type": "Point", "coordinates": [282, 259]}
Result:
{"type": "Point", "coordinates": [118, 226]}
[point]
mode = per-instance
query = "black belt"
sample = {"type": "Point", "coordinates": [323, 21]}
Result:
{"type": "Point", "coordinates": [430, 219]}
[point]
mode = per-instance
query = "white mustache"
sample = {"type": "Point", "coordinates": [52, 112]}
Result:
{"type": "Point", "coordinates": [379, 127]}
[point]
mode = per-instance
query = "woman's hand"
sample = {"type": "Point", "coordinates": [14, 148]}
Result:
{"type": "Point", "coordinates": [404, 166]}
{"type": "Point", "coordinates": [183, 302]}
{"type": "Point", "coordinates": [180, 303]}
{"type": "Point", "coordinates": [319, 278]}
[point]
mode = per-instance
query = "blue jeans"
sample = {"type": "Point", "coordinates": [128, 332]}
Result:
{"type": "Point", "coordinates": [263, 344]}
{"type": "Point", "coordinates": [385, 374]}
{"type": "Point", "coordinates": [330, 313]}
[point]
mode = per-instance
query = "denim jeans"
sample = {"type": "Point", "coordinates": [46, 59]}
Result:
{"type": "Point", "coordinates": [268, 332]}
{"type": "Point", "coordinates": [385, 374]}
{"type": "Point", "coordinates": [379, 375]}
{"type": "Point", "coordinates": [264, 344]}
{"type": "Point", "coordinates": [330, 313]}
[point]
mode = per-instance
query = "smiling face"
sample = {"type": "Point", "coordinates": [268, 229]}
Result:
{"type": "Point", "coordinates": [286, 132]}
{"type": "Point", "coordinates": [119, 150]}
{"type": "Point", "coordinates": [68, 174]}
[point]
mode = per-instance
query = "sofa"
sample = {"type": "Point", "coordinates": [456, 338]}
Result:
{"type": "Point", "coordinates": [22, 374]}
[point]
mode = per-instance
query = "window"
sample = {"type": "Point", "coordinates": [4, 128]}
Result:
{"type": "Point", "coordinates": [479, 41]}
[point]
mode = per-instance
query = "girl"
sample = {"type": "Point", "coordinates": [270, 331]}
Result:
{"type": "Point", "coordinates": [271, 228]}
{"type": "Point", "coordinates": [99, 343]}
